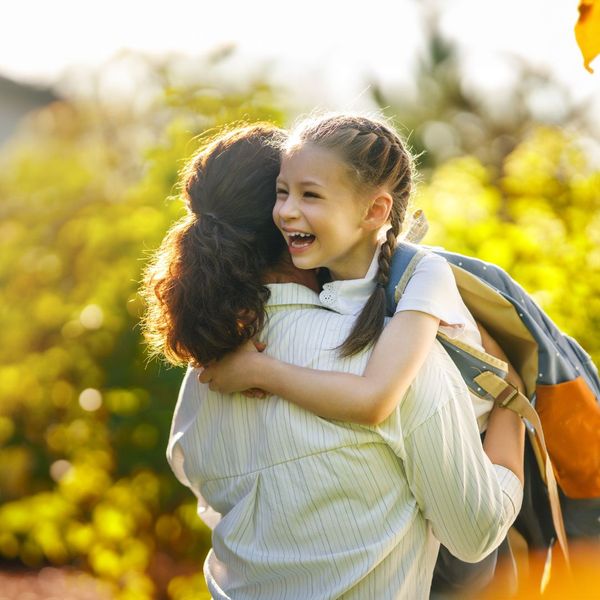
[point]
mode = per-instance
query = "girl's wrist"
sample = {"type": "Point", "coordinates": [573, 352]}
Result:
{"type": "Point", "coordinates": [257, 369]}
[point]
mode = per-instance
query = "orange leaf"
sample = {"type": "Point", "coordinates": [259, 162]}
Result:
{"type": "Point", "coordinates": [587, 31]}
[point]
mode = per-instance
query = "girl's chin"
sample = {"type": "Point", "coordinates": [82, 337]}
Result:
{"type": "Point", "coordinates": [302, 261]}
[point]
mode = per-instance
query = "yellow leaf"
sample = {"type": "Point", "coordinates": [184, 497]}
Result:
{"type": "Point", "coordinates": [587, 31]}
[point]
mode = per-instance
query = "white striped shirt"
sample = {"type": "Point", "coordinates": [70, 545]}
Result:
{"type": "Point", "coordinates": [302, 507]}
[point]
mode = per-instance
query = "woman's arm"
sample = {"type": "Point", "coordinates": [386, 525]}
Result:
{"type": "Point", "coordinates": [367, 399]}
{"type": "Point", "coordinates": [469, 503]}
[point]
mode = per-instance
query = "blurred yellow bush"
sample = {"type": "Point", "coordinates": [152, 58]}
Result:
{"type": "Point", "coordinates": [86, 193]}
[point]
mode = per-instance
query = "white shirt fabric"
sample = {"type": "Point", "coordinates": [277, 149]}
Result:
{"type": "Point", "coordinates": [303, 507]}
{"type": "Point", "coordinates": [432, 290]}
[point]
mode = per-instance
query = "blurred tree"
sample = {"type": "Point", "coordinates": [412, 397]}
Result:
{"type": "Point", "coordinates": [87, 189]}
{"type": "Point", "coordinates": [444, 117]}
{"type": "Point", "coordinates": [540, 222]}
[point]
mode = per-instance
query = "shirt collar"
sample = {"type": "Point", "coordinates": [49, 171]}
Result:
{"type": "Point", "coordinates": [292, 293]}
{"type": "Point", "coordinates": [348, 296]}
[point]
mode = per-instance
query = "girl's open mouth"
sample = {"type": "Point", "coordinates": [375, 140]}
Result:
{"type": "Point", "coordinates": [300, 240]}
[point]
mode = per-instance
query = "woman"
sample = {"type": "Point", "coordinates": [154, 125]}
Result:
{"type": "Point", "coordinates": [300, 517]}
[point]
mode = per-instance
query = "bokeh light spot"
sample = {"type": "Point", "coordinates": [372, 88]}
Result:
{"type": "Point", "coordinates": [59, 468]}
{"type": "Point", "coordinates": [90, 399]}
{"type": "Point", "coordinates": [92, 317]}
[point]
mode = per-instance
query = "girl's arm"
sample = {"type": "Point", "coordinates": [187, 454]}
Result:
{"type": "Point", "coordinates": [370, 398]}
{"type": "Point", "coordinates": [367, 399]}
{"type": "Point", "coordinates": [396, 359]}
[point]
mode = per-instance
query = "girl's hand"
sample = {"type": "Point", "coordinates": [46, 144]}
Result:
{"type": "Point", "coordinates": [235, 372]}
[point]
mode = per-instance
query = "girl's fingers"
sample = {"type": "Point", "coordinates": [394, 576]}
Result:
{"type": "Point", "coordinates": [260, 346]}
{"type": "Point", "coordinates": [254, 393]}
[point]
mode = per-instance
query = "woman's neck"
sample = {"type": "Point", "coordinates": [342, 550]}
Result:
{"type": "Point", "coordinates": [285, 272]}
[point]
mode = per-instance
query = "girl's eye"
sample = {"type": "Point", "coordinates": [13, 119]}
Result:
{"type": "Point", "coordinates": [281, 191]}
{"type": "Point", "coordinates": [311, 195]}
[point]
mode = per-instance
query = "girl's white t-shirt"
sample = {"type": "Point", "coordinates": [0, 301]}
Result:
{"type": "Point", "coordinates": [432, 290]}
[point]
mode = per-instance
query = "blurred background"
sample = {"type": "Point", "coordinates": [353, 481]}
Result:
{"type": "Point", "coordinates": [100, 106]}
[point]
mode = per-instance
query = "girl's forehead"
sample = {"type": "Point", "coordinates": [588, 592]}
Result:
{"type": "Point", "coordinates": [309, 157]}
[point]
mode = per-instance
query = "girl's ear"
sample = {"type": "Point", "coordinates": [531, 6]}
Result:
{"type": "Point", "coordinates": [378, 211]}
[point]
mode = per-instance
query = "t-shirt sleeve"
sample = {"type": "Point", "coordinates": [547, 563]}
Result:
{"type": "Point", "coordinates": [432, 290]}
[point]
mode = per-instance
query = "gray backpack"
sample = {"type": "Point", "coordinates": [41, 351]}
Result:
{"type": "Point", "coordinates": [561, 409]}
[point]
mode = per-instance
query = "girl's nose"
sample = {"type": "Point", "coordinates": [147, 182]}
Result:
{"type": "Point", "coordinates": [288, 209]}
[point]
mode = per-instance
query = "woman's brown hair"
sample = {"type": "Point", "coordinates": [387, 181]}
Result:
{"type": "Point", "coordinates": [203, 286]}
{"type": "Point", "coordinates": [376, 157]}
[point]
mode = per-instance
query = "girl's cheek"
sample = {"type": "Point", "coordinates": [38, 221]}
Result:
{"type": "Point", "coordinates": [275, 212]}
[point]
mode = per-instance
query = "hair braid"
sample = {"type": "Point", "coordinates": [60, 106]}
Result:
{"type": "Point", "coordinates": [385, 256]}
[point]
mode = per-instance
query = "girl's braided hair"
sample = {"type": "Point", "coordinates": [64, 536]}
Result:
{"type": "Point", "coordinates": [376, 157]}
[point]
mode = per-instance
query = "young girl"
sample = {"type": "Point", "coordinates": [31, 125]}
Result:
{"type": "Point", "coordinates": [343, 179]}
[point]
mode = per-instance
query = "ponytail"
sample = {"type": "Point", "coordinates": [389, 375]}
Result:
{"type": "Point", "coordinates": [203, 287]}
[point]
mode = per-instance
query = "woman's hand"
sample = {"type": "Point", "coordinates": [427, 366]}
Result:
{"type": "Point", "coordinates": [235, 372]}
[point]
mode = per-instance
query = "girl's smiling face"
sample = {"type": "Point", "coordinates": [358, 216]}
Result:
{"type": "Point", "coordinates": [321, 213]}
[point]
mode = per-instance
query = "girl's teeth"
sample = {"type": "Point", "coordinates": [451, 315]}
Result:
{"type": "Point", "coordinates": [300, 240]}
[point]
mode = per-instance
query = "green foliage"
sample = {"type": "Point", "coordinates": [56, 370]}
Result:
{"type": "Point", "coordinates": [86, 193]}
{"type": "Point", "coordinates": [539, 219]}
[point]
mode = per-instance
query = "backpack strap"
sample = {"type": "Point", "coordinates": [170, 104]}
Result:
{"type": "Point", "coordinates": [405, 259]}
{"type": "Point", "coordinates": [471, 362]}
{"type": "Point", "coordinates": [481, 373]}
{"type": "Point", "coordinates": [408, 273]}
{"type": "Point", "coordinates": [507, 396]}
